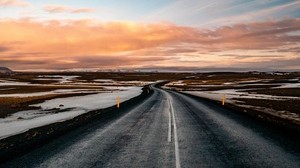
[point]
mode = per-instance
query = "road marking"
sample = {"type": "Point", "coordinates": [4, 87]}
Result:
{"type": "Point", "coordinates": [173, 118]}
{"type": "Point", "coordinates": [177, 157]}
{"type": "Point", "coordinates": [170, 123]}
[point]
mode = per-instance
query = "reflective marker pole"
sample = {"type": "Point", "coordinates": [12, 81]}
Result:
{"type": "Point", "coordinates": [223, 99]}
{"type": "Point", "coordinates": [118, 102]}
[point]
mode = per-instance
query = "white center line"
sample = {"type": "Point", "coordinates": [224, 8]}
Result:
{"type": "Point", "coordinates": [173, 118]}
{"type": "Point", "coordinates": [170, 123]}
{"type": "Point", "coordinates": [177, 157]}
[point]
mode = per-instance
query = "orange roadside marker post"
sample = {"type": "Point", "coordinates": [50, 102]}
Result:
{"type": "Point", "coordinates": [118, 102]}
{"type": "Point", "coordinates": [223, 99]}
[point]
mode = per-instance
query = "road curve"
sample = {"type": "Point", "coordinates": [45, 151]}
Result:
{"type": "Point", "coordinates": [169, 129]}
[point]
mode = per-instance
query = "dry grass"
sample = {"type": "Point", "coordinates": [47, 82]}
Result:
{"type": "Point", "coordinates": [90, 76]}
{"type": "Point", "coordinates": [260, 87]}
{"type": "Point", "coordinates": [45, 88]}
{"type": "Point", "coordinates": [220, 87]}
{"type": "Point", "coordinates": [216, 80]}
{"type": "Point", "coordinates": [24, 100]}
{"type": "Point", "coordinates": [220, 78]}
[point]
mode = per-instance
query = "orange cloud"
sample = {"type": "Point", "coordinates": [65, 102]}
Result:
{"type": "Point", "coordinates": [66, 9]}
{"type": "Point", "coordinates": [19, 3]}
{"type": "Point", "coordinates": [88, 43]}
{"type": "Point", "coordinates": [86, 36]}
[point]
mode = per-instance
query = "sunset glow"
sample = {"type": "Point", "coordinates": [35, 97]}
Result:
{"type": "Point", "coordinates": [239, 34]}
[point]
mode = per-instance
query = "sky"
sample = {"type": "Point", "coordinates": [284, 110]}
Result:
{"type": "Point", "coordinates": [142, 34]}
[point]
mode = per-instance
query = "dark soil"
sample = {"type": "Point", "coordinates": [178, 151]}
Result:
{"type": "Point", "coordinates": [222, 87]}
{"type": "Point", "coordinates": [295, 92]}
{"type": "Point", "coordinates": [279, 105]}
{"type": "Point", "coordinates": [90, 76]}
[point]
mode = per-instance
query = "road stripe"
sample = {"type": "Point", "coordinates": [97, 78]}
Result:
{"type": "Point", "coordinates": [177, 157]}
{"type": "Point", "coordinates": [173, 118]}
{"type": "Point", "coordinates": [170, 123]}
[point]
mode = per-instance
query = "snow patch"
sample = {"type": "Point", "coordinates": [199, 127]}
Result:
{"type": "Point", "coordinates": [73, 106]}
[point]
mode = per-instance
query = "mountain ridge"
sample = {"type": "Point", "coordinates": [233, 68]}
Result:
{"type": "Point", "coordinates": [5, 70]}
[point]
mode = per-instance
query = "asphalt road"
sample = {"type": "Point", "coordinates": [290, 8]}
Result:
{"type": "Point", "coordinates": [170, 130]}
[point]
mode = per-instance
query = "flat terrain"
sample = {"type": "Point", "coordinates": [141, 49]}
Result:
{"type": "Point", "coordinates": [30, 100]}
{"type": "Point", "coordinates": [181, 124]}
{"type": "Point", "coordinates": [276, 93]}
{"type": "Point", "coordinates": [19, 91]}
{"type": "Point", "coordinates": [170, 130]}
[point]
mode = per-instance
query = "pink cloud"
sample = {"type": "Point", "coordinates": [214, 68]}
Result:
{"type": "Point", "coordinates": [17, 3]}
{"type": "Point", "coordinates": [66, 9]}
{"type": "Point", "coordinates": [88, 43]}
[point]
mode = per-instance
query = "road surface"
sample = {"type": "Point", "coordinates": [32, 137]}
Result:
{"type": "Point", "coordinates": [169, 130]}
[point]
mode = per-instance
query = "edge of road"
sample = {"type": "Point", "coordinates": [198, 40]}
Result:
{"type": "Point", "coordinates": [277, 122]}
{"type": "Point", "coordinates": [17, 145]}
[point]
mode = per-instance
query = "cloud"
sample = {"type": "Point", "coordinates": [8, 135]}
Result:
{"type": "Point", "coordinates": [66, 9]}
{"type": "Point", "coordinates": [88, 36]}
{"type": "Point", "coordinates": [3, 48]}
{"type": "Point", "coordinates": [288, 50]}
{"type": "Point", "coordinates": [239, 56]}
{"type": "Point", "coordinates": [276, 64]}
{"type": "Point", "coordinates": [90, 43]}
{"type": "Point", "coordinates": [224, 12]}
{"type": "Point", "coordinates": [96, 61]}
{"type": "Point", "coordinates": [260, 35]}
{"type": "Point", "coordinates": [254, 12]}
{"type": "Point", "coordinates": [16, 3]}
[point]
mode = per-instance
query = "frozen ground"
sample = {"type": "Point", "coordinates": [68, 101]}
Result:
{"type": "Point", "coordinates": [12, 83]}
{"type": "Point", "coordinates": [58, 78]}
{"type": "Point", "coordinates": [243, 90]}
{"type": "Point", "coordinates": [99, 94]}
{"type": "Point", "coordinates": [57, 91]}
{"type": "Point", "coordinates": [67, 108]}
{"type": "Point", "coordinates": [231, 94]}
{"type": "Point", "coordinates": [22, 90]}
{"type": "Point", "coordinates": [289, 85]}
{"type": "Point", "coordinates": [93, 101]}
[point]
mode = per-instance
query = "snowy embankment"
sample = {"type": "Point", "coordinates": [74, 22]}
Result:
{"type": "Point", "coordinates": [232, 94]}
{"type": "Point", "coordinates": [236, 96]}
{"type": "Point", "coordinates": [62, 109]}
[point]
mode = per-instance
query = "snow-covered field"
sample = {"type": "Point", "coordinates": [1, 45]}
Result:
{"type": "Point", "coordinates": [201, 89]}
{"type": "Point", "coordinates": [12, 83]}
{"type": "Point", "coordinates": [58, 78]}
{"type": "Point", "coordinates": [62, 109]}
{"type": "Point", "coordinates": [73, 106]}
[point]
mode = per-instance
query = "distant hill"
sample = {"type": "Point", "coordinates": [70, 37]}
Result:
{"type": "Point", "coordinates": [5, 70]}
